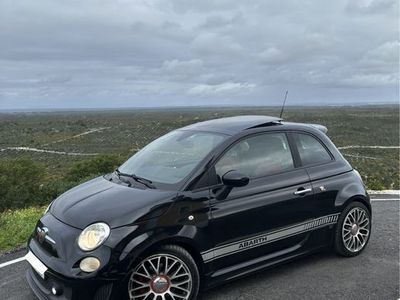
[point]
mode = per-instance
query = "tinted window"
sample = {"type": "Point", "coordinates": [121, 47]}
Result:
{"type": "Point", "coordinates": [311, 150]}
{"type": "Point", "coordinates": [257, 156]}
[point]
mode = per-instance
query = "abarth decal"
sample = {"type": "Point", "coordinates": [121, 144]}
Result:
{"type": "Point", "coordinates": [269, 237]}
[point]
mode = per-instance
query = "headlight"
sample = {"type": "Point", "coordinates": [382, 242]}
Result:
{"type": "Point", "coordinates": [93, 236]}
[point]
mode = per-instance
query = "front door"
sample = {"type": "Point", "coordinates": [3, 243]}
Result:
{"type": "Point", "coordinates": [268, 216]}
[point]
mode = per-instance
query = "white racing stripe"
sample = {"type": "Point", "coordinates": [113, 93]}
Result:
{"type": "Point", "coordinates": [268, 237]}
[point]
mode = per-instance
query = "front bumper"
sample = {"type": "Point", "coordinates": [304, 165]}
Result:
{"type": "Point", "coordinates": [66, 289]}
{"type": "Point", "coordinates": [60, 258]}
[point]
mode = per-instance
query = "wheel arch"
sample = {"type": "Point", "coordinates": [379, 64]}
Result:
{"type": "Point", "coordinates": [353, 191]}
{"type": "Point", "coordinates": [147, 247]}
{"type": "Point", "coordinates": [186, 244]}
{"type": "Point", "coordinates": [151, 248]}
{"type": "Point", "coordinates": [358, 198]}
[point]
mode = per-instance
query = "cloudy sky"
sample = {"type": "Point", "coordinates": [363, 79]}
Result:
{"type": "Point", "coordinates": [126, 53]}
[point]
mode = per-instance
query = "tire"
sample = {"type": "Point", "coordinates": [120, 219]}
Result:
{"type": "Point", "coordinates": [353, 230]}
{"type": "Point", "coordinates": [164, 274]}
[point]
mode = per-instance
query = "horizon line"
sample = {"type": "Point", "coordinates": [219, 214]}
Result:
{"type": "Point", "coordinates": [76, 109]}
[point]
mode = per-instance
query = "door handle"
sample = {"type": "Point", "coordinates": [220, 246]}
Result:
{"type": "Point", "coordinates": [302, 192]}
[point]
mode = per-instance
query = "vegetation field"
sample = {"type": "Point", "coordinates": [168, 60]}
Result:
{"type": "Point", "coordinates": [17, 225]}
{"type": "Point", "coordinates": [43, 154]}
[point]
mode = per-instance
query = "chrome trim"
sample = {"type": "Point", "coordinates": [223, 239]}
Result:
{"type": "Point", "coordinates": [50, 240]}
{"type": "Point", "coordinates": [43, 234]}
{"type": "Point", "coordinates": [301, 192]}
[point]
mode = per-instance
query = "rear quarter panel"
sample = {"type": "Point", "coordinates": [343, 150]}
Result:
{"type": "Point", "coordinates": [340, 189]}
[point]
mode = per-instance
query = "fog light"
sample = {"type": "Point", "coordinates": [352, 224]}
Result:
{"type": "Point", "coordinates": [56, 291]}
{"type": "Point", "coordinates": [89, 264]}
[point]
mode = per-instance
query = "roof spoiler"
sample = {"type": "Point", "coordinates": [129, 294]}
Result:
{"type": "Point", "coordinates": [273, 121]}
{"type": "Point", "coordinates": [319, 127]}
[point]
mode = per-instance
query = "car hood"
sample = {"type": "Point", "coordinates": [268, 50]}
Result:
{"type": "Point", "coordinates": [100, 200]}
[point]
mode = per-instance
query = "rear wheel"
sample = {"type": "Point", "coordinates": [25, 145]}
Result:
{"type": "Point", "coordinates": [353, 230]}
{"type": "Point", "coordinates": [168, 274]}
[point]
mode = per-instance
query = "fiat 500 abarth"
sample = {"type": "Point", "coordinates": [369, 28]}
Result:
{"type": "Point", "coordinates": [200, 206]}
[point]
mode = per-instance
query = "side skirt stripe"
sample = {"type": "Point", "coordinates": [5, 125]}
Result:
{"type": "Point", "coordinates": [265, 238]}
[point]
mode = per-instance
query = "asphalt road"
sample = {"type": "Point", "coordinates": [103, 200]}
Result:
{"type": "Point", "coordinates": [372, 275]}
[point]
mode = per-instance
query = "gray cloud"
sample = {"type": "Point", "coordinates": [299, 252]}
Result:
{"type": "Point", "coordinates": [186, 52]}
{"type": "Point", "coordinates": [223, 88]}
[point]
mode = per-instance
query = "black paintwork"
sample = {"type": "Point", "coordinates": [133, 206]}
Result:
{"type": "Point", "coordinates": [142, 218]}
{"type": "Point", "coordinates": [114, 204]}
{"type": "Point", "coordinates": [232, 125]}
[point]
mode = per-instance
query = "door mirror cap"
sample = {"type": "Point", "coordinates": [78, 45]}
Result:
{"type": "Point", "coordinates": [235, 179]}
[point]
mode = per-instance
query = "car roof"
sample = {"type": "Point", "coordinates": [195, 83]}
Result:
{"type": "Point", "coordinates": [233, 125]}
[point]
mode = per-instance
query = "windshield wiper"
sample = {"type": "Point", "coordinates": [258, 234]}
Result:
{"type": "Point", "coordinates": [144, 181]}
{"type": "Point", "coordinates": [119, 174]}
{"type": "Point", "coordinates": [139, 179]}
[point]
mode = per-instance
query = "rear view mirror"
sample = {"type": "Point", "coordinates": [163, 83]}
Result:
{"type": "Point", "coordinates": [230, 180]}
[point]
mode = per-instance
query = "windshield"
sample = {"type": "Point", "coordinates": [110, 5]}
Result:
{"type": "Point", "coordinates": [170, 158]}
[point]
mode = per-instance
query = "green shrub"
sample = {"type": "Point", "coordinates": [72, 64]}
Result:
{"type": "Point", "coordinates": [54, 188]}
{"type": "Point", "coordinates": [25, 183]}
{"type": "Point", "coordinates": [91, 167]}
{"type": "Point", "coordinates": [20, 184]}
{"type": "Point", "coordinates": [374, 183]}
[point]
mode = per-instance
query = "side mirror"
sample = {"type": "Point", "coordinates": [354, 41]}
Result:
{"type": "Point", "coordinates": [230, 180]}
{"type": "Point", "coordinates": [235, 179]}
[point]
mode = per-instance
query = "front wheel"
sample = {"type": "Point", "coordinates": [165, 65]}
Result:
{"type": "Point", "coordinates": [168, 274]}
{"type": "Point", "coordinates": [353, 230]}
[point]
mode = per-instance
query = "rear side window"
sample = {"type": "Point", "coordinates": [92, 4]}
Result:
{"type": "Point", "coordinates": [257, 156]}
{"type": "Point", "coordinates": [311, 151]}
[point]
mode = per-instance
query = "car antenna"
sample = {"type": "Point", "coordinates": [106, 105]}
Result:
{"type": "Point", "coordinates": [283, 105]}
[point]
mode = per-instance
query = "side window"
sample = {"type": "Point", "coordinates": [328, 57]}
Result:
{"type": "Point", "coordinates": [311, 151]}
{"type": "Point", "coordinates": [257, 156]}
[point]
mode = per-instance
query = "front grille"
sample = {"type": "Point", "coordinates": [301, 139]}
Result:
{"type": "Point", "coordinates": [46, 245]}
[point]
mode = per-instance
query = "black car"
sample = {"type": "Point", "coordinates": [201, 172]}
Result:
{"type": "Point", "coordinates": [200, 206]}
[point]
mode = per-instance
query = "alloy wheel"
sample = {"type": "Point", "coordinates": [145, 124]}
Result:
{"type": "Point", "coordinates": [160, 277]}
{"type": "Point", "coordinates": [356, 229]}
